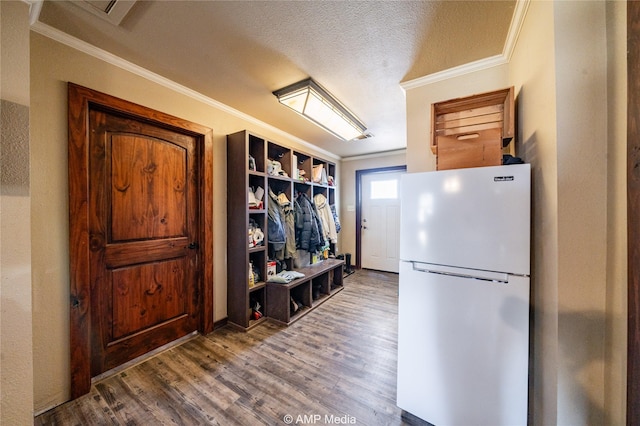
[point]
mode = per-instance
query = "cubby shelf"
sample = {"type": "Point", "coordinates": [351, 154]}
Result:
{"type": "Point", "coordinates": [327, 275]}
{"type": "Point", "coordinates": [248, 166]}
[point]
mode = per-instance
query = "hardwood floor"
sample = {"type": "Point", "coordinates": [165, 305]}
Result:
{"type": "Point", "coordinates": [336, 365]}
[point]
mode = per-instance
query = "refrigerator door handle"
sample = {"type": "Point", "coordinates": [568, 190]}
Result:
{"type": "Point", "coordinates": [476, 275]}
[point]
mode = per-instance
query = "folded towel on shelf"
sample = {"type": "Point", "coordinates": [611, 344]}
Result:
{"type": "Point", "coordinates": [285, 277]}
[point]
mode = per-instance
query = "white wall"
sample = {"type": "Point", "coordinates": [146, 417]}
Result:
{"type": "Point", "coordinates": [568, 70]}
{"type": "Point", "coordinates": [16, 356]}
{"type": "Point", "coordinates": [532, 71]}
{"type": "Point", "coordinates": [580, 330]}
{"type": "Point", "coordinates": [581, 111]}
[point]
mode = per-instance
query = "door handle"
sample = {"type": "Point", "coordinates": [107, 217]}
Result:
{"type": "Point", "coordinates": [498, 278]}
{"type": "Point", "coordinates": [193, 246]}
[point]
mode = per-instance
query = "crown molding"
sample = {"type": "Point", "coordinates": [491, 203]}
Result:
{"type": "Point", "coordinates": [89, 49]}
{"type": "Point", "coordinates": [482, 64]}
{"type": "Point", "coordinates": [35, 6]}
{"type": "Point", "coordinates": [75, 43]}
{"type": "Point", "coordinates": [376, 155]}
{"type": "Point", "coordinates": [514, 28]}
{"type": "Point", "coordinates": [458, 71]}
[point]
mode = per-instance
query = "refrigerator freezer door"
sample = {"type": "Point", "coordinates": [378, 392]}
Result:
{"type": "Point", "coordinates": [462, 348]}
{"type": "Point", "coordinates": [476, 218]}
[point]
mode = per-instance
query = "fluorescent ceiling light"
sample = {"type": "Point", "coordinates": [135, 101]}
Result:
{"type": "Point", "coordinates": [313, 102]}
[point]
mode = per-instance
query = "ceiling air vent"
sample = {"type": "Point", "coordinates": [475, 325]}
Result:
{"type": "Point", "coordinates": [112, 11]}
{"type": "Point", "coordinates": [363, 136]}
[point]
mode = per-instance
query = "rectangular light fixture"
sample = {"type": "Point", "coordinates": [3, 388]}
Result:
{"type": "Point", "coordinates": [313, 102]}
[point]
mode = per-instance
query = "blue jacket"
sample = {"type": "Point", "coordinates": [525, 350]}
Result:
{"type": "Point", "coordinates": [309, 235]}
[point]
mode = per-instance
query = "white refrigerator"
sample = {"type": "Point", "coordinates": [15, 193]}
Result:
{"type": "Point", "coordinates": [463, 312]}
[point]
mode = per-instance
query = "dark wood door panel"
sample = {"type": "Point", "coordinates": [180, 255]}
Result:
{"type": "Point", "coordinates": [142, 207]}
{"type": "Point", "coordinates": [144, 186]}
{"type": "Point", "coordinates": [120, 352]}
{"type": "Point", "coordinates": [148, 295]}
{"type": "Point", "coordinates": [140, 210]}
{"type": "Point", "coordinates": [121, 254]}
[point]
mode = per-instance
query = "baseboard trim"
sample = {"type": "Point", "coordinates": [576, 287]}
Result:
{"type": "Point", "coordinates": [220, 323]}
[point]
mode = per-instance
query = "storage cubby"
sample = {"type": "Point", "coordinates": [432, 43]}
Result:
{"type": "Point", "coordinates": [327, 275]}
{"type": "Point", "coordinates": [257, 153]}
{"type": "Point", "coordinates": [332, 196]}
{"type": "Point", "coordinates": [256, 181]}
{"type": "Point", "coordinates": [301, 295]}
{"type": "Point", "coordinates": [280, 185]}
{"type": "Point", "coordinates": [335, 279]}
{"type": "Point", "coordinates": [283, 156]}
{"type": "Point", "coordinates": [321, 190]}
{"type": "Point", "coordinates": [258, 260]}
{"type": "Point", "coordinates": [320, 287]}
{"type": "Point", "coordinates": [319, 172]}
{"type": "Point", "coordinates": [258, 295]}
{"type": "Point", "coordinates": [258, 218]}
{"type": "Point", "coordinates": [302, 167]}
{"type": "Point", "coordinates": [331, 172]}
{"type": "Point", "coordinates": [303, 188]}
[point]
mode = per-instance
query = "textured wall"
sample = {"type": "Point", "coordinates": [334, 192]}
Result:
{"type": "Point", "coordinates": [14, 151]}
{"type": "Point", "coordinates": [16, 347]}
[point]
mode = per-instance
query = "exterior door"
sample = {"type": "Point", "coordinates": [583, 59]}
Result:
{"type": "Point", "coordinates": [147, 252]}
{"type": "Point", "coordinates": [380, 224]}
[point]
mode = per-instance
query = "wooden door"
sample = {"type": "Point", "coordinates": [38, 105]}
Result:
{"type": "Point", "coordinates": [143, 227]}
{"type": "Point", "coordinates": [633, 212]}
{"type": "Point", "coordinates": [144, 237]}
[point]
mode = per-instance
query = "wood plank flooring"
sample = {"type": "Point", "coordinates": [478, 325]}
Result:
{"type": "Point", "coordinates": [337, 365]}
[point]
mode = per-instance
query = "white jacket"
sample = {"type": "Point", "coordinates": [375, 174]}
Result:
{"type": "Point", "coordinates": [326, 217]}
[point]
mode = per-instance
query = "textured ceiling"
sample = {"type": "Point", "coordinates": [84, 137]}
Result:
{"type": "Point", "coordinates": [239, 52]}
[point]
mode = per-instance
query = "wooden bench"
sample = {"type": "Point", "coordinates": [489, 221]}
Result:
{"type": "Point", "coordinates": [327, 276]}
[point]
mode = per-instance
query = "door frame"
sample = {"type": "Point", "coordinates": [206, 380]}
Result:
{"type": "Point", "coordinates": [633, 213]}
{"type": "Point", "coordinates": [81, 101]}
{"type": "Point", "coordinates": [359, 175]}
